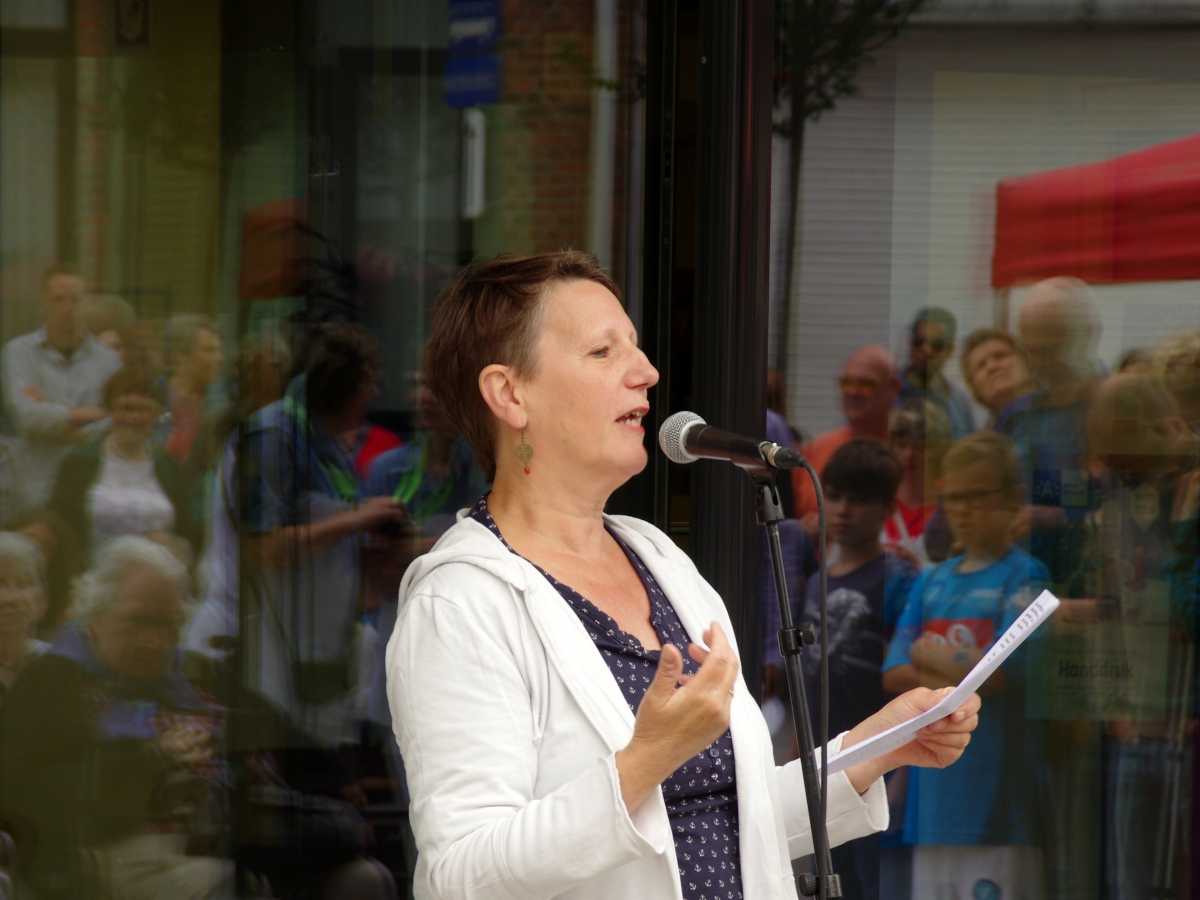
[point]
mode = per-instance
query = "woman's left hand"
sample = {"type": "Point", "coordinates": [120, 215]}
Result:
{"type": "Point", "coordinates": [936, 745]}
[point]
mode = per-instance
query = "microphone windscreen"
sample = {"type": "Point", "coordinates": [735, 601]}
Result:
{"type": "Point", "coordinates": [670, 436]}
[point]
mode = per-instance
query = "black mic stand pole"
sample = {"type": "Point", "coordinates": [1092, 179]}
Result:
{"type": "Point", "coordinates": [825, 885]}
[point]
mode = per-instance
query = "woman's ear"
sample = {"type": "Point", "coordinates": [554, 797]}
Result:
{"type": "Point", "coordinates": [502, 394]}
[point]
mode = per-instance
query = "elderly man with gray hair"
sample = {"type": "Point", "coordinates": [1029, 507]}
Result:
{"type": "Point", "coordinates": [100, 732]}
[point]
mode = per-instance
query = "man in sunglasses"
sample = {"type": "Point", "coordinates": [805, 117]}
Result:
{"type": "Point", "coordinates": [931, 345]}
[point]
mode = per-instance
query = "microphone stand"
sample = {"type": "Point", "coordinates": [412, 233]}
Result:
{"type": "Point", "coordinates": [825, 884]}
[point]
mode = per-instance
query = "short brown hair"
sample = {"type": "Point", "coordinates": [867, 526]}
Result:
{"type": "Point", "coordinates": [986, 447]}
{"type": "Point", "coordinates": [123, 382]}
{"type": "Point", "coordinates": [865, 470]}
{"type": "Point", "coordinates": [491, 314]}
{"type": "Point", "coordinates": [982, 336]}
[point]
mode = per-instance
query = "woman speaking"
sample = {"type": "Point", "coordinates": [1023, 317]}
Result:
{"type": "Point", "coordinates": [564, 684]}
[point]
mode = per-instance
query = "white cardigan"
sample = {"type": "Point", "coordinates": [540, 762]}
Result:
{"type": "Point", "coordinates": [508, 720]}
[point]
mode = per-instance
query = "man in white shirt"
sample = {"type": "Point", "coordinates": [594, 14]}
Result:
{"type": "Point", "coordinates": [53, 381]}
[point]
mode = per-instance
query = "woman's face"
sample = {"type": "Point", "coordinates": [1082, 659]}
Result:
{"type": "Point", "coordinates": [133, 415]}
{"type": "Point", "coordinates": [20, 597]}
{"type": "Point", "coordinates": [587, 396]}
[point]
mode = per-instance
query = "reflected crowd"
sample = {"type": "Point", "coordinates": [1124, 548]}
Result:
{"type": "Point", "coordinates": [1083, 479]}
{"type": "Point", "coordinates": [198, 577]}
{"type": "Point", "coordinates": [202, 551]}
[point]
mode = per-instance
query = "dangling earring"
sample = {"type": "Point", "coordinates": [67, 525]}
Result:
{"type": "Point", "coordinates": [524, 452]}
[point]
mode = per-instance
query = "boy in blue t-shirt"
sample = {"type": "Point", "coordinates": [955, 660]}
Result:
{"type": "Point", "coordinates": [976, 822]}
{"type": "Point", "coordinates": [867, 590]}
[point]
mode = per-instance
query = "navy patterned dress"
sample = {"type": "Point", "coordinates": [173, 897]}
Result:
{"type": "Point", "coordinates": [701, 796]}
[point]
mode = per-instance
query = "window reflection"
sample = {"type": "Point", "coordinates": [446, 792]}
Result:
{"type": "Point", "coordinates": [222, 231]}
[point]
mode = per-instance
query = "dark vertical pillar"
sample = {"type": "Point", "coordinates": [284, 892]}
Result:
{"type": "Point", "coordinates": [646, 496]}
{"type": "Point", "coordinates": [730, 332]}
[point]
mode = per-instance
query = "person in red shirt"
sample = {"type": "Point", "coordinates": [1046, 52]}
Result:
{"type": "Point", "coordinates": [869, 384]}
{"type": "Point", "coordinates": [919, 435]}
{"type": "Point", "coordinates": [193, 386]}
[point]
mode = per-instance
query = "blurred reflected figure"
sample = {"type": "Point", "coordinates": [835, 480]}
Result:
{"type": "Point", "coordinates": [304, 522]}
{"type": "Point", "coordinates": [976, 826]}
{"type": "Point", "coordinates": [12, 491]}
{"type": "Point", "coordinates": [1059, 331]}
{"type": "Point", "coordinates": [994, 371]}
{"type": "Point", "coordinates": [867, 590]}
{"type": "Point", "coordinates": [194, 391]}
{"type": "Point", "coordinates": [919, 436]}
{"type": "Point", "coordinates": [22, 603]}
{"type": "Point", "coordinates": [63, 563]}
{"type": "Point", "coordinates": [1178, 364]}
{"type": "Point", "coordinates": [113, 322]}
{"type": "Point", "coordinates": [931, 346]}
{"type": "Point", "coordinates": [1137, 359]}
{"type": "Point", "coordinates": [431, 478]}
{"type": "Point", "coordinates": [53, 378]}
{"type": "Point", "coordinates": [122, 483]}
{"type": "Point", "coordinates": [1142, 543]}
{"type": "Point", "coordinates": [106, 751]}
{"type": "Point", "coordinates": [260, 376]}
{"type": "Point", "coordinates": [869, 384]}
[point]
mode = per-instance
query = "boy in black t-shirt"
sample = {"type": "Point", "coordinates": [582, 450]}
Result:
{"type": "Point", "coordinates": [868, 587]}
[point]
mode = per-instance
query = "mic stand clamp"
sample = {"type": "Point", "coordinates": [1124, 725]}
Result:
{"type": "Point", "coordinates": [825, 884]}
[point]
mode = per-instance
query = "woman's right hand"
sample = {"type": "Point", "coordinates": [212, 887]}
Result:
{"type": "Point", "coordinates": [675, 723]}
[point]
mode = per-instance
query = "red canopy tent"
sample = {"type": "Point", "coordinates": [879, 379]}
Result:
{"type": "Point", "coordinates": [1132, 218]}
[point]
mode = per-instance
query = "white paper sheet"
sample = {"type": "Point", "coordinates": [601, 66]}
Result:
{"type": "Point", "coordinates": [899, 735]}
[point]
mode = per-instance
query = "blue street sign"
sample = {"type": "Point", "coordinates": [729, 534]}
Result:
{"type": "Point", "coordinates": [472, 80]}
{"type": "Point", "coordinates": [474, 26]}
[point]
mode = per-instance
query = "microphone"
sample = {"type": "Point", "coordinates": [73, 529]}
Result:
{"type": "Point", "coordinates": [685, 437]}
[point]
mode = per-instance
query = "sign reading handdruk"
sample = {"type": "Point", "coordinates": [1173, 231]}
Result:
{"type": "Point", "coordinates": [899, 735]}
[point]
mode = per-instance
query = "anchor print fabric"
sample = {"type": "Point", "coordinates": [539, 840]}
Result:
{"type": "Point", "coordinates": [701, 796]}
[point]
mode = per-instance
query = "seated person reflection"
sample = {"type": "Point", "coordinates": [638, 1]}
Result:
{"type": "Point", "coordinates": [22, 603]}
{"type": "Point", "coordinates": [564, 685]}
{"type": "Point", "coordinates": [99, 734]}
{"type": "Point", "coordinates": [122, 483]}
{"type": "Point", "coordinates": [975, 823]}
{"type": "Point", "coordinates": [63, 564]}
